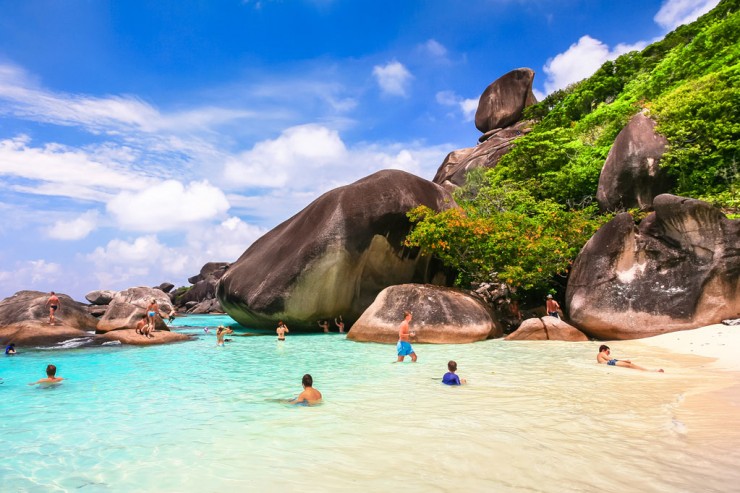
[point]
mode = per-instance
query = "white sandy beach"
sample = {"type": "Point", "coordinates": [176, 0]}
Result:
{"type": "Point", "coordinates": [718, 341]}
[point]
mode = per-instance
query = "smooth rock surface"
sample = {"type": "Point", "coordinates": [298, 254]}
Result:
{"type": "Point", "coordinates": [631, 176]}
{"type": "Point", "coordinates": [100, 297]}
{"type": "Point", "coordinates": [129, 305]}
{"type": "Point", "coordinates": [503, 102]}
{"type": "Point", "coordinates": [130, 337]}
{"type": "Point", "coordinates": [546, 329]}
{"type": "Point", "coordinates": [679, 269]}
{"type": "Point", "coordinates": [440, 315]}
{"type": "Point", "coordinates": [334, 256]}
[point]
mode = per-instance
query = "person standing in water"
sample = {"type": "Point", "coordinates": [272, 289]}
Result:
{"type": "Point", "coordinates": [324, 324]}
{"type": "Point", "coordinates": [10, 349]}
{"type": "Point", "coordinates": [552, 307]}
{"type": "Point", "coordinates": [339, 324]}
{"type": "Point", "coordinates": [51, 377]}
{"type": "Point", "coordinates": [221, 333]}
{"type": "Point", "coordinates": [54, 304]}
{"type": "Point", "coordinates": [403, 348]}
{"type": "Point", "coordinates": [281, 330]}
{"type": "Point", "coordinates": [309, 395]}
{"type": "Point", "coordinates": [450, 378]}
{"type": "Point", "coordinates": [605, 357]}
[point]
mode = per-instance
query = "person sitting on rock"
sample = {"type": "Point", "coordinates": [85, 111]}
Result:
{"type": "Point", "coordinates": [51, 377]}
{"type": "Point", "coordinates": [604, 356]}
{"type": "Point", "coordinates": [143, 327]}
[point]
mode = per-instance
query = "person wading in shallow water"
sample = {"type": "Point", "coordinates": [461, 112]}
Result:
{"type": "Point", "coordinates": [324, 324]}
{"type": "Point", "coordinates": [339, 324]}
{"type": "Point", "coordinates": [54, 304]}
{"type": "Point", "coordinates": [605, 357]}
{"type": "Point", "coordinates": [309, 395]}
{"type": "Point", "coordinates": [403, 348]}
{"type": "Point", "coordinates": [281, 330]}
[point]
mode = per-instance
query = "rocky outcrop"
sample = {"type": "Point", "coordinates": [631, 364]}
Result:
{"type": "Point", "coordinates": [546, 329]}
{"type": "Point", "coordinates": [24, 320]}
{"type": "Point", "coordinates": [335, 256]}
{"type": "Point", "coordinates": [440, 315]}
{"type": "Point", "coordinates": [203, 292]}
{"type": "Point", "coordinates": [100, 297]}
{"type": "Point", "coordinates": [454, 169]}
{"type": "Point", "coordinates": [130, 337]}
{"type": "Point", "coordinates": [631, 176]}
{"type": "Point", "coordinates": [680, 269]}
{"type": "Point", "coordinates": [503, 102]}
{"type": "Point", "coordinates": [165, 287]}
{"type": "Point", "coordinates": [129, 305]}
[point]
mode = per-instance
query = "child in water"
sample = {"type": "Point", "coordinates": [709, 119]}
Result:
{"type": "Point", "coordinates": [450, 378]}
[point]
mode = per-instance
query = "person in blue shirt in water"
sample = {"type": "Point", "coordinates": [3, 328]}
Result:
{"type": "Point", "coordinates": [450, 378]}
{"type": "Point", "coordinates": [10, 349]}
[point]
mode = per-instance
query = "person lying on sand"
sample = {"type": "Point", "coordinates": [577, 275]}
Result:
{"type": "Point", "coordinates": [309, 395]}
{"type": "Point", "coordinates": [604, 356]}
{"type": "Point", "coordinates": [51, 377]}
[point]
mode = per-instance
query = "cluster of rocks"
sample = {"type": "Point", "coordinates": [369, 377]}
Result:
{"type": "Point", "coordinates": [201, 296]}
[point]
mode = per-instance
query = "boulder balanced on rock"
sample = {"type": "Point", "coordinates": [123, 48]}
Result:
{"type": "Point", "coordinates": [335, 256]}
{"type": "Point", "coordinates": [441, 315]}
{"type": "Point", "coordinates": [680, 269]}
{"type": "Point", "coordinates": [503, 102]}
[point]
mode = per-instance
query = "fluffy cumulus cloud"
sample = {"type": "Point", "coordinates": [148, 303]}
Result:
{"type": "Point", "coordinates": [74, 229]}
{"type": "Point", "coordinates": [30, 274]}
{"type": "Point", "coordinates": [581, 60]}
{"type": "Point", "coordinates": [167, 205]}
{"type": "Point", "coordinates": [224, 242]}
{"type": "Point", "coordinates": [467, 107]}
{"type": "Point", "coordinates": [674, 13]}
{"type": "Point", "coordinates": [393, 78]}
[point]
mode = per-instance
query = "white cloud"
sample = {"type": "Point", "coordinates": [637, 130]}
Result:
{"type": "Point", "coordinates": [580, 61]}
{"type": "Point", "coordinates": [674, 13]}
{"type": "Point", "coordinates": [223, 242]}
{"type": "Point", "coordinates": [467, 107]}
{"type": "Point", "coordinates": [31, 274]}
{"type": "Point", "coordinates": [167, 205]}
{"type": "Point", "coordinates": [435, 48]}
{"type": "Point", "coordinates": [392, 78]}
{"type": "Point", "coordinates": [76, 229]}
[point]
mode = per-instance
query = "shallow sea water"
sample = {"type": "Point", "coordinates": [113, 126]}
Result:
{"type": "Point", "coordinates": [534, 417]}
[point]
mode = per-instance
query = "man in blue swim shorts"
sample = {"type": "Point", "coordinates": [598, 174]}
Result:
{"type": "Point", "coordinates": [404, 346]}
{"type": "Point", "coordinates": [605, 357]}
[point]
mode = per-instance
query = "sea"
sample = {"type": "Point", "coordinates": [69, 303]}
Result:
{"type": "Point", "coordinates": [534, 416]}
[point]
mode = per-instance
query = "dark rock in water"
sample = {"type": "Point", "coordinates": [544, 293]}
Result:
{"type": "Point", "coordinates": [503, 102]}
{"type": "Point", "coordinates": [165, 287]}
{"type": "Point", "coordinates": [334, 256]}
{"type": "Point", "coordinates": [454, 169]}
{"type": "Point", "coordinates": [680, 269]}
{"type": "Point", "coordinates": [440, 315]}
{"type": "Point", "coordinates": [546, 329]}
{"type": "Point", "coordinates": [206, 306]}
{"type": "Point", "coordinates": [631, 176]}
{"type": "Point", "coordinates": [24, 320]}
{"type": "Point", "coordinates": [129, 305]}
{"type": "Point", "coordinates": [100, 297]}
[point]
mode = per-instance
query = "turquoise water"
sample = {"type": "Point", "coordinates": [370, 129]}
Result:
{"type": "Point", "coordinates": [194, 417]}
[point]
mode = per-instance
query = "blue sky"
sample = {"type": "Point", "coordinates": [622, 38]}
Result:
{"type": "Point", "coordinates": [139, 140]}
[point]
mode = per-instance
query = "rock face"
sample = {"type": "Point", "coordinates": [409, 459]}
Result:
{"type": "Point", "coordinates": [100, 297]}
{"type": "Point", "coordinates": [454, 169]}
{"type": "Point", "coordinates": [129, 305]}
{"type": "Point", "coordinates": [24, 320]}
{"type": "Point", "coordinates": [440, 315]}
{"type": "Point", "coordinates": [503, 102]}
{"type": "Point", "coordinates": [129, 336]}
{"type": "Point", "coordinates": [546, 329]}
{"type": "Point", "coordinates": [680, 269]}
{"type": "Point", "coordinates": [334, 256]}
{"type": "Point", "coordinates": [203, 292]}
{"type": "Point", "coordinates": [631, 176]}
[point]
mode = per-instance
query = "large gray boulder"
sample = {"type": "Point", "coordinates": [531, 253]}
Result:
{"type": "Point", "coordinates": [100, 296]}
{"type": "Point", "coordinates": [679, 269]}
{"type": "Point", "coordinates": [440, 315]}
{"type": "Point", "coordinates": [453, 171]}
{"type": "Point", "coordinates": [203, 291]}
{"type": "Point", "coordinates": [24, 320]}
{"type": "Point", "coordinates": [503, 102]}
{"type": "Point", "coordinates": [632, 176]}
{"type": "Point", "coordinates": [129, 305]}
{"type": "Point", "coordinates": [546, 329]}
{"type": "Point", "coordinates": [335, 256]}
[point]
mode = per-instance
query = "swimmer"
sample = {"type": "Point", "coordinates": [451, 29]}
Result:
{"type": "Point", "coordinates": [221, 333]}
{"type": "Point", "coordinates": [604, 357]}
{"type": "Point", "coordinates": [339, 324]}
{"type": "Point", "coordinates": [324, 324]}
{"type": "Point", "coordinates": [281, 330]}
{"type": "Point", "coordinates": [51, 377]}
{"type": "Point", "coordinates": [10, 349]}
{"type": "Point", "coordinates": [206, 330]}
{"type": "Point", "coordinates": [450, 378]}
{"type": "Point", "coordinates": [309, 395]}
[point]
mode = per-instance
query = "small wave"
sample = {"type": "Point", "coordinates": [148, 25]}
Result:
{"type": "Point", "coordinates": [112, 343]}
{"type": "Point", "coordinates": [70, 343]}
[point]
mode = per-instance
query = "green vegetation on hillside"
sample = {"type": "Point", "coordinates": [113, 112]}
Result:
{"type": "Point", "coordinates": [528, 233]}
